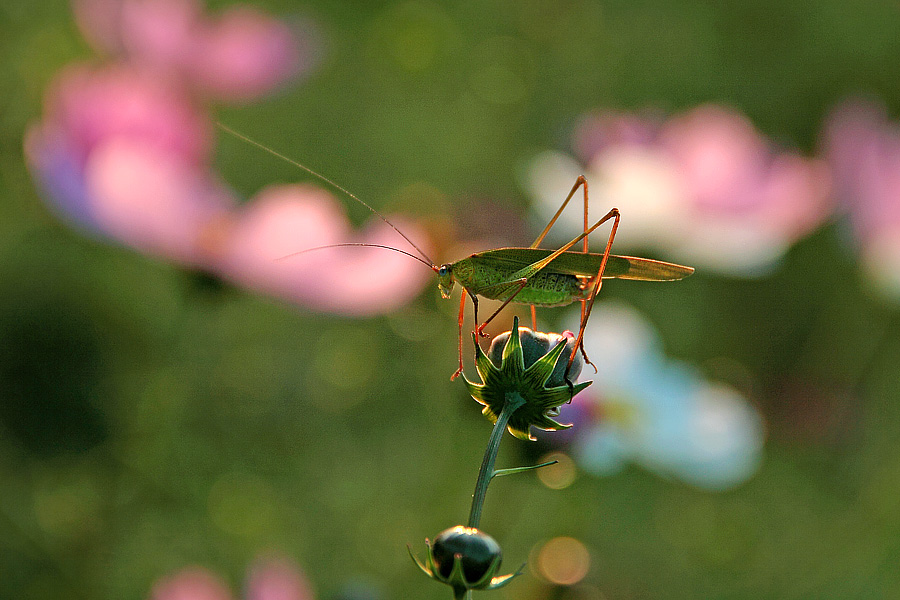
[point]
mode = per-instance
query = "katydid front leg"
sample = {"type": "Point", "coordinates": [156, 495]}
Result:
{"type": "Point", "coordinates": [462, 308]}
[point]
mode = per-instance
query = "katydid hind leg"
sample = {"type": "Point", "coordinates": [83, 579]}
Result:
{"type": "Point", "coordinates": [579, 182]}
{"type": "Point", "coordinates": [521, 277]}
{"type": "Point", "coordinates": [579, 341]}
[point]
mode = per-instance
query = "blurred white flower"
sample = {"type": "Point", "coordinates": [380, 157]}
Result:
{"type": "Point", "coordinates": [702, 187]}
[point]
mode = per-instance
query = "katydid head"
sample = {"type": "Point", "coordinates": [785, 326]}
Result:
{"type": "Point", "coordinates": [445, 279]}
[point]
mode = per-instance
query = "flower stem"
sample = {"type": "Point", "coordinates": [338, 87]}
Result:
{"type": "Point", "coordinates": [513, 402]}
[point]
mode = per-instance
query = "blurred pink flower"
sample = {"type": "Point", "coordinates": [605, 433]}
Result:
{"type": "Point", "coordinates": [863, 149]}
{"type": "Point", "coordinates": [358, 281]}
{"type": "Point", "coordinates": [122, 154]}
{"type": "Point", "coordinates": [704, 187]}
{"type": "Point", "coordinates": [125, 151]}
{"type": "Point", "coordinates": [277, 580]}
{"type": "Point", "coordinates": [90, 106]}
{"type": "Point", "coordinates": [238, 56]}
{"type": "Point", "coordinates": [154, 203]}
{"type": "Point", "coordinates": [193, 583]}
{"type": "Point", "coordinates": [273, 579]}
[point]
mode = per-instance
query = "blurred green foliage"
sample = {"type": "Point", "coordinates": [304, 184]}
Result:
{"type": "Point", "coordinates": [150, 419]}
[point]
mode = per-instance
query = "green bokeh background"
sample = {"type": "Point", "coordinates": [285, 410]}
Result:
{"type": "Point", "coordinates": [152, 419]}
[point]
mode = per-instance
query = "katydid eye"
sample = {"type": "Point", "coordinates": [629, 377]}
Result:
{"type": "Point", "coordinates": [444, 270]}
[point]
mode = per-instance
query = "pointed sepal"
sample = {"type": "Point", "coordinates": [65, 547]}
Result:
{"type": "Point", "coordinates": [528, 367]}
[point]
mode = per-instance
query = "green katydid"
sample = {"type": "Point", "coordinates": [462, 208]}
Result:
{"type": "Point", "coordinates": [532, 275]}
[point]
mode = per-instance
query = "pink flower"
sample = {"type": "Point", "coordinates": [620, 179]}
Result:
{"type": "Point", "coordinates": [155, 203]}
{"type": "Point", "coordinates": [193, 583]}
{"type": "Point", "coordinates": [137, 179]}
{"type": "Point", "coordinates": [244, 55]}
{"type": "Point", "coordinates": [123, 154]}
{"type": "Point", "coordinates": [357, 281]}
{"type": "Point", "coordinates": [90, 106]}
{"type": "Point", "coordinates": [274, 579]}
{"type": "Point", "coordinates": [863, 149]}
{"type": "Point", "coordinates": [238, 56]}
{"type": "Point", "coordinates": [125, 151]}
{"type": "Point", "coordinates": [704, 187]}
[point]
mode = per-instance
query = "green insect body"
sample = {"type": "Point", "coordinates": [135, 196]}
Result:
{"type": "Point", "coordinates": [565, 279]}
{"type": "Point", "coordinates": [490, 279]}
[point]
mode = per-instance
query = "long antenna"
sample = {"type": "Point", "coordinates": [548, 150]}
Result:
{"type": "Point", "coordinates": [253, 142]}
{"type": "Point", "coordinates": [344, 245]}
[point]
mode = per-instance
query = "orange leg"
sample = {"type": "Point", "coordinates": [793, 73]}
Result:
{"type": "Point", "coordinates": [580, 181]}
{"type": "Point", "coordinates": [520, 285]}
{"type": "Point", "coordinates": [598, 282]}
{"type": "Point", "coordinates": [586, 305]}
{"type": "Point", "coordinates": [462, 308]}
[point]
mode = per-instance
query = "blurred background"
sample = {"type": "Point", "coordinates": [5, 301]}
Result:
{"type": "Point", "coordinates": [172, 396]}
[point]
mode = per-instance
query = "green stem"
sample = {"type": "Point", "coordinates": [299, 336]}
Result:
{"type": "Point", "coordinates": [513, 402]}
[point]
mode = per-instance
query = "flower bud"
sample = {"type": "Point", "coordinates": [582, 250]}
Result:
{"type": "Point", "coordinates": [536, 344]}
{"type": "Point", "coordinates": [530, 367]}
{"type": "Point", "coordinates": [465, 558]}
{"type": "Point", "coordinates": [476, 550]}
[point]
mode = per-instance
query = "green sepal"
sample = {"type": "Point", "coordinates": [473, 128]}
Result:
{"type": "Point", "coordinates": [418, 562]}
{"type": "Point", "coordinates": [542, 368]}
{"type": "Point", "coordinates": [483, 364]}
{"type": "Point", "coordinates": [513, 359]}
{"type": "Point", "coordinates": [498, 582]}
{"type": "Point", "coordinates": [514, 470]}
{"type": "Point", "coordinates": [457, 579]}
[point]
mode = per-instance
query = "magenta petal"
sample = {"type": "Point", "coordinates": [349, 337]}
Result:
{"type": "Point", "coordinates": [795, 196]}
{"type": "Point", "coordinates": [354, 281]}
{"type": "Point", "coordinates": [191, 584]}
{"type": "Point", "coordinates": [597, 132]}
{"type": "Point", "coordinates": [239, 56]}
{"type": "Point", "coordinates": [863, 149]}
{"type": "Point", "coordinates": [156, 204]}
{"type": "Point", "coordinates": [244, 54]}
{"type": "Point", "coordinates": [851, 138]}
{"type": "Point", "coordinates": [100, 23]}
{"type": "Point", "coordinates": [91, 105]}
{"type": "Point", "coordinates": [157, 33]}
{"type": "Point", "coordinates": [161, 33]}
{"type": "Point", "coordinates": [277, 579]}
{"type": "Point", "coordinates": [719, 154]}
